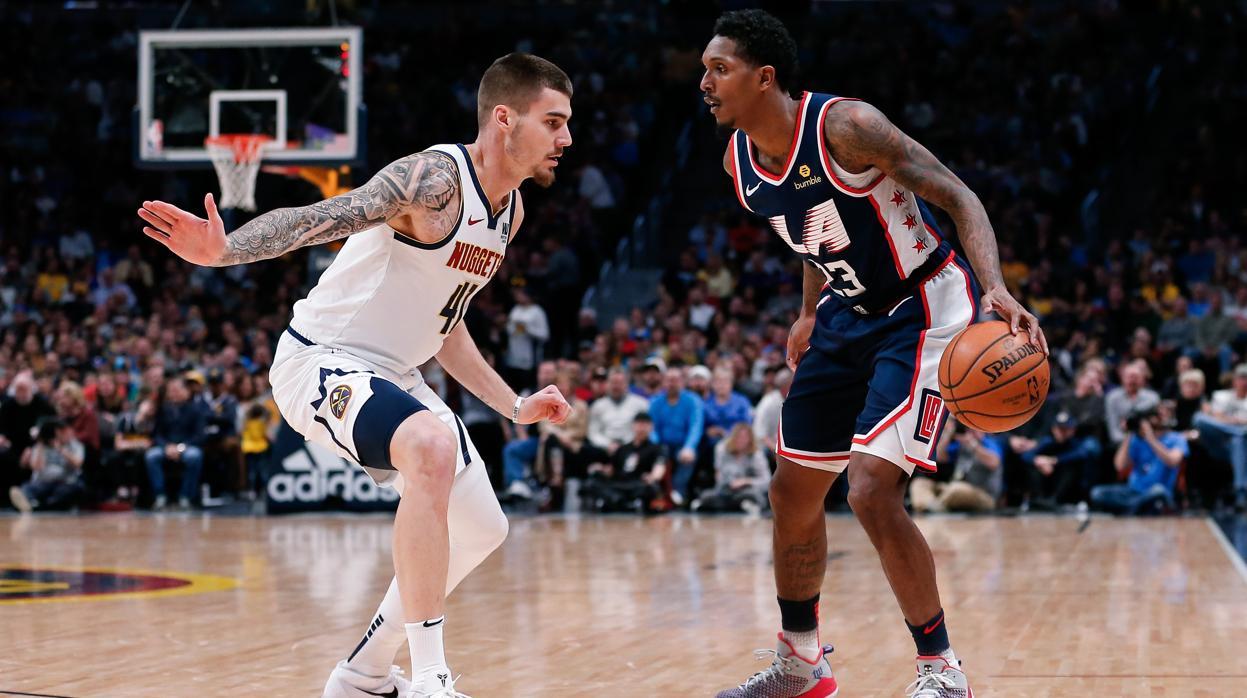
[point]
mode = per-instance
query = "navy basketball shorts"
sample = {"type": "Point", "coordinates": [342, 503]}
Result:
{"type": "Point", "coordinates": [868, 382]}
{"type": "Point", "coordinates": [353, 407]}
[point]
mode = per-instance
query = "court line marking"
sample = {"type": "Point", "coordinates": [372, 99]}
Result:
{"type": "Point", "coordinates": [198, 584]}
{"type": "Point", "coordinates": [1230, 552]}
{"type": "Point", "coordinates": [36, 695]}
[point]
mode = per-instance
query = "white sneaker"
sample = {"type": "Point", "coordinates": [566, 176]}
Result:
{"type": "Point", "coordinates": [160, 503]}
{"type": "Point", "coordinates": [520, 489]}
{"type": "Point", "coordinates": [434, 683]}
{"type": "Point", "coordinates": [20, 501]}
{"type": "Point", "coordinates": [345, 682]}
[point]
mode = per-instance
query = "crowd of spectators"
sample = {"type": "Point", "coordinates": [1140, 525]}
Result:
{"type": "Point", "coordinates": [129, 378]}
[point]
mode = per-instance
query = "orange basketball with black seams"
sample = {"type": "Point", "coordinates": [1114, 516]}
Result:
{"type": "Point", "coordinates": [993, 380]}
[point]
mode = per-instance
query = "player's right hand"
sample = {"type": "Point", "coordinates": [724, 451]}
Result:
{"type": "Point", "coordinates": [799, 339]}
{"type": "Point", "coordinates": [197, 240]}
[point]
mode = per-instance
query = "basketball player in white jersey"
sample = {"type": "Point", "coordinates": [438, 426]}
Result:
{"type": "Point", "coordinates": [427, 232]}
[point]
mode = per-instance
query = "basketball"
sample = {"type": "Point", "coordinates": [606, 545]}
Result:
{"type": "Point", "coordinates": [991, 379]}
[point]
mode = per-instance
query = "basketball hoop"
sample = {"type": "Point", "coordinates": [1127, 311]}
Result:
{"type": "Point", "coordinates": [236, 158]}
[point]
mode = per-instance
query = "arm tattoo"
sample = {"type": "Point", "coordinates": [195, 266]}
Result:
{"type": "Point", "coordinates": [860, 136]}
{"type": "Point", "coordinates": [425, 185]}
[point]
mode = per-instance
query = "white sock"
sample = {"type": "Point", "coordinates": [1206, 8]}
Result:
{"type": "Point", "coordinates": [950, 658]}
{"type": "Point", "coordinates": [375, 653]}
{"type": "Point", "coordinates": [805, 644]}
{"type": "Point", "coordinates": [425, 641]}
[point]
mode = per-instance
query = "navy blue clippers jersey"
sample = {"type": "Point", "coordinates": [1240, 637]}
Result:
{"type": "Point", "coordinates": [873, 239]}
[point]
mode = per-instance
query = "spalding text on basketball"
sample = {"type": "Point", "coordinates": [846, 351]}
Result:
{"type": "Point", "coordinates": [995, 369]}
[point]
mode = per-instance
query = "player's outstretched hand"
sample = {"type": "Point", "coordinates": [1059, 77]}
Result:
{"type": "Point", "coordinates": [1001, 302]}
{"type": "Point", "coordinates": [547, 403]}
{"type": "Point", "coordinates": [799, 340]}
{"type": "Point", "coordinates": [197, 240]}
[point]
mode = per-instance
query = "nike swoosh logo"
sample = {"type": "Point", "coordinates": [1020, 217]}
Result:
{"type": "Point", "coordinates": [890, 315]}
{"type": "Point", "coordinates": [933, 626]}
{"type": "Point", "coordinates": [437, 622]}
{"type": "Point", "coordinates": [392, 694]}
{"type": "Point", "coordinates": [474, 222]}
{"type": "Point", "coordinates": [750, 190]}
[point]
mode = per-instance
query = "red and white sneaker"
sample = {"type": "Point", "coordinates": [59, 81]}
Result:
{"type": "Point", "coordinates": [789, 676]}
{"type": "Point", "coordinates": [938, 678]}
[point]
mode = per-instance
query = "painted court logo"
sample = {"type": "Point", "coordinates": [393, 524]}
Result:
{"type": "Point", "coordinates": [20, 584]}
{"type": "Point", "coordinates": [339, 399]}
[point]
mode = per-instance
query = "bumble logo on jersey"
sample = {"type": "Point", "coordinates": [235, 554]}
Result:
{"type": "Point", "coordinates": [809, 181]}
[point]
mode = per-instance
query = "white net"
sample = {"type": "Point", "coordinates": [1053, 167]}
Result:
{"type": "Point", "coordinates": [236, 158]}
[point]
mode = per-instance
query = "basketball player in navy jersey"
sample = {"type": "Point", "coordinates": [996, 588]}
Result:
{"type": "Point", "coordinates": [423, 236]}
{"type": "Point", "coordinates": [883, 295]}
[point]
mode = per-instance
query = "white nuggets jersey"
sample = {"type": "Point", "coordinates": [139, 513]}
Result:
{"type": "Point", "coordinates": [391, 300]}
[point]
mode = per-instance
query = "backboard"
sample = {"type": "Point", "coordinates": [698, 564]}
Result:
{"type": "Point", "coordinates": [302, 87]}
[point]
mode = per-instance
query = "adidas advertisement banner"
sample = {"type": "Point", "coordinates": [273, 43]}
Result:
{"type": "Point", "coordinates": [309, 477]}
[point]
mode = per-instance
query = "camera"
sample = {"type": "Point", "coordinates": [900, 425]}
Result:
{"type": "Point", "coordinates": [1136, 418]}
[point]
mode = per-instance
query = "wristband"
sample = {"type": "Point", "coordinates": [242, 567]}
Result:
{"type": "Point", "coordinates": [515, 411]}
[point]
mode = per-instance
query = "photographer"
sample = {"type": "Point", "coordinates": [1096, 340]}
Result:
{"type": "Point", "coordinates": [55, 461]}
{"type": "Point", "coordinates": [1152, 455]}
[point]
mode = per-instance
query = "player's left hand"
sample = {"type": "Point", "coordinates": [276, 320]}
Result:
{"type": "Point", "coordinates": [998, 300]}
{"type": "Point", "coordinates": [547, 403]}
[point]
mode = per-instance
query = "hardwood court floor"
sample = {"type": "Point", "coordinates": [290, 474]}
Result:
{"type": "Point", "coordinates": [629, 607]}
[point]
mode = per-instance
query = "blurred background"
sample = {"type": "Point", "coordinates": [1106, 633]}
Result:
{"type": "Point", "coordinates": [1103, 138]}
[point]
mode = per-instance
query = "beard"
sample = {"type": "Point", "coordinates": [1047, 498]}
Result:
{"type": "Point", "coordinates": [724, 129]}
{"type": "Point", "coordinates": [543, 176]}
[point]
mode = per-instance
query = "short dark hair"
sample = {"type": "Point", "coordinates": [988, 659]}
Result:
{"type": "Point", "coordinates": [643, 417]}
{"type": "Point", "coordinates": [515, 80]}
{"type": "Point", "coordinates": [761, 39]}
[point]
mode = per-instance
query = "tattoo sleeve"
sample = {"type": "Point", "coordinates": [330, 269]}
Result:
{"type": "Point", "coordinates": [860, 136]}
{"type": "Point", "coordinates": [424, 183]}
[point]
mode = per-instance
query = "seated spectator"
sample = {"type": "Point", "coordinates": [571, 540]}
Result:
{"type": "Point", "coordinates": [742, 475]}
{"type": "Point", "coordinates": [177, 436]}
{"type": "Point", "coordinates": [697, 379]}
{"type": "Point", "coordinates": [221, 445]}
{"type": "Point", "coordinates": [725, 408]}
{"type": "Point", "coordinates": [678, 421]}
{"type": "Point", "coordinates": [611, 416]}
{"type": "Point", "coordinates": [633, 477]}
{"type": "Point", "coordinates": [562, 451]}
{"type": "Point", "coordinates": [766, 416]}
{"type": "Point", "coordinates": [1133, 395]}
{"type": "Point", "coordinates": [1151, 455]}
{"type": "Point", "coordinates": [1223, 430]}
{"type": "Point", "coordinates": [649, 382]}
{"type": "Point", "coordinates": [20, 411]}
{"type": "Point", "coordinates": [520, 454]}
{"type": "Point", "coordinates": [1060, 463]}
{"type": "Point", "coordinates": [55, 462]}
{"type": "Point", "coordinates": [976, 483]}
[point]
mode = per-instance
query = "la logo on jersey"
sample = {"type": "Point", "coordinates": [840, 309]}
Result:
{"type": "Point", "coordinates": [339, 399]}
{"type": "Point", "coordinates": [930, 412]}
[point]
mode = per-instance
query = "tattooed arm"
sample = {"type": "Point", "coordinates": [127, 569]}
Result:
{"type": "Point", "coordinates": [423, 187]}
{"type": "Point", "coordinates": [860, 137]}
